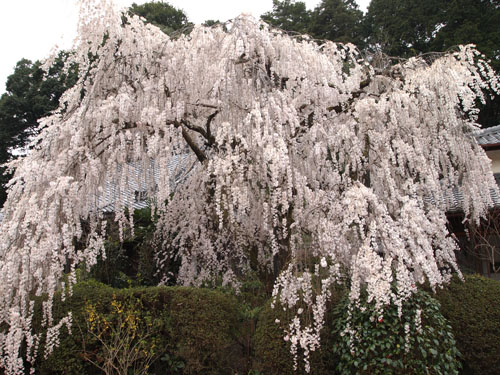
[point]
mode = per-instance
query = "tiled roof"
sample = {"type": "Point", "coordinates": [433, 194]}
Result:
{"type": "Point", "coordinates": [455, 198]}
{"type": "Point", "coordinates": [488, 136]}
{"type": "Point", "coordinates": [140, 187]}
{"type": "Point", "coordinates": [484, 137]}
{"type": "Point", "coordinates": [136, 196]}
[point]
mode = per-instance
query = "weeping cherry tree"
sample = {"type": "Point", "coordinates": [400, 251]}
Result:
{"type": "Point", "coordinates": [302, 155]}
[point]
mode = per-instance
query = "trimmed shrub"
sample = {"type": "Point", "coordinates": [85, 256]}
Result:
{"type": "Point", "coordinates": [473, 310]}
{"type": "Point", "coordinates": [196, 330]}
{"type": "Point", "coordinates": [418, 342]}
{"type": "Point", "coordinates": [272, 352]}
{"type": "Point", "coordinates": [69, 356]}
{"type": "Point", "coordinates": [206, 325]}
{"type": "Point", "coordinates": [201, 331]}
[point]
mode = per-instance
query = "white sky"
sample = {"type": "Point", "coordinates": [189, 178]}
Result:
{"type": "Point", "coordinates": [31, 28]}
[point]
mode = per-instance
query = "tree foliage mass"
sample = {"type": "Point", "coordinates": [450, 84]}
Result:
{"type": "Point", "coordinates": [335, 20]}
{"type": "Point", "coordinates": [31, 93]}
{"type": "Point", "coordinates": [168, 18]}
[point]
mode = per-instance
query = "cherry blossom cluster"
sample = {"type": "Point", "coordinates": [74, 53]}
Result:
{"type": "Point", "coordinates": [302, 156]}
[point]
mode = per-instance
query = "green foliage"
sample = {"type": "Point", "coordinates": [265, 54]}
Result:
{"type": "Point", "coordinates": [289, 15]}
{"type": "Point", "coordinates": [196, 330]}
{"type": "Point", "coordinates": [210, 23]}
{"type": "Point", "coordinates": [30, 94]}
{"type": "Point", "coordinates": [207, 324]}
{"type": "Point", "coordinates": [168, 18]}
{"type": "Point", "coordinates": [272, 352]}
{"type": "Point", "coordinates": [69, 357]}
{"type": "Point", "coordinates": [338, 21]}
{"type": "Point", "coordinates": [403, 28]}
{"type": "Point", "coordinates": [131, 262]}
{"type": "Point", "coordinates": [473, 310]}
{"type": "Point", "coordinates": [407, 28]}
{"type": "Point", "coordinates": [389, 344]}
{"type": "Point", "coordinates": [200, 331]}
{"type": "Point", "coordinates": [470, 21]}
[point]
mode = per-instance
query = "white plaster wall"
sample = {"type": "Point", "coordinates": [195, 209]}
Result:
{"type": "Point", "coordinates": [495, 160]}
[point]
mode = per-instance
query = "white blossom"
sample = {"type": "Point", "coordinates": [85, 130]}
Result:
{"type": "Point", "coordinates": [301, 154]}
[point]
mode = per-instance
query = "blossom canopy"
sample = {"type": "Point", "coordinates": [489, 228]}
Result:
{"type": "Point", "coordinates": [303, 156]}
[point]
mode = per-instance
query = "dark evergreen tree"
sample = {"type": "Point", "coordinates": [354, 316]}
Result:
{"type": "Point", "coordinates": [336, 20]}
{"type": "Point", "coordinates": [30, 95]}
{"type": "Point", "coordinates": [339, 21]}
{"type": "Point", "coordinates": [289, 15]}
{"type": "Point", "coordinates": [403, 28]}
{"type": "Point", "coordinates": [470, 21]}
{"type": "Point", "coordinates": [168, 18]}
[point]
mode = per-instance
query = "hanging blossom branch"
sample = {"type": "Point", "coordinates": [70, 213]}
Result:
{"type": "Point", "coordinates": [287, 137]}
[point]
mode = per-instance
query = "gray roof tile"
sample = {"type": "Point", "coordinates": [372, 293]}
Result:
{"type": "Point", "coordinates": [141, 184]}
{"type": "Point", "coordinates": [488, 136]}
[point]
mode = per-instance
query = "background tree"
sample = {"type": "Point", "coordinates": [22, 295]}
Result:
{"type": "Point", "coordinates": [210, 23]}
{"type": "Point", "coordinates": [338, 21]}
{"type": "Point", "coordinates": [469, 21]}
{"type": "Point", "coordinates": [289, 15]}
{"type": "Point", "coordinates": [168, 18]}
{"type": "Point", "coordinates": [30, 95]}
{"type": "Point", "coordinates": [403, 28]}
{"type": "Point", "coordinates": [409, 28]}
{"type": "Point", "coordinates": [335, 20]}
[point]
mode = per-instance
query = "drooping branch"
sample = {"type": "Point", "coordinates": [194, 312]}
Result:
{"type": "Point", "coordinates": [210, 137]}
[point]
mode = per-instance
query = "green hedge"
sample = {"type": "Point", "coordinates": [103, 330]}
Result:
{"type": "Point", "coordinates": [211, 332]}
{"type": "Point", "coordinates": [272, 352]}
{"type": "Point", "coordinates": [198, 330]}
{"type": "Point", "coordinates": [473, 310]}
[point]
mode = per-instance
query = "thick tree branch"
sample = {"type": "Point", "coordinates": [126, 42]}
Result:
{"type": "Point", "coordinates": [195, 128]}
{"type": "Point", "coordinates": [198, 152]}
{"type": "Point", "coordinates": [191, 143]}
{"type": "Point", "coordinates": [210, 137]}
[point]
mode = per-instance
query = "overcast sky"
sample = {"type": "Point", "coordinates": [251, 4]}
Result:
{"type": "Point", "coordinates": [31, 28]}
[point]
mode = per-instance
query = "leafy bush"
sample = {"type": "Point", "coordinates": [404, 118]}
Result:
{"type": "Point", "coordinates": [271, 351]}
{"type": "Point", "coordinates": [196, 330]}
{"type": "Point", "coordinates": [126, 335]}
{"type": "Point", "coordinates": [420, 342]}
{"type": "Point", "coordinates": [473, 310]}
{"type": "Point", "coordinates": [131, 262]}
{"type": "Point", "coordinates": [205, 326]}
{"type": "Point", "coordinates": [203, 331]}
